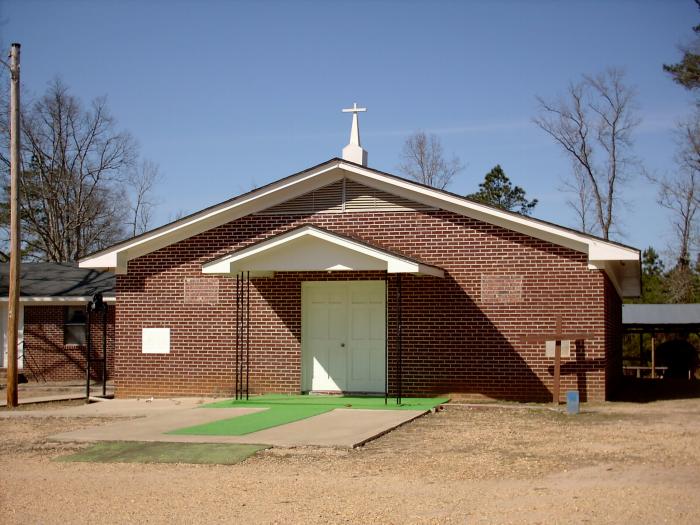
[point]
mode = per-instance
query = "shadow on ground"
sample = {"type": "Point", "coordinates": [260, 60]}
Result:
{"type": "Point", "coordinates": [647, 390]}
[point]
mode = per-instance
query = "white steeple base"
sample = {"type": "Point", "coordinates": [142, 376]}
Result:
{"type": "Point", "coordinates": [355, 153]}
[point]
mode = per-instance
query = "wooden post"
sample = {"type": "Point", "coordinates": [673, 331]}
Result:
{"type": "Point", "coordinates": [653, 355]}
{"type": "Point", "coordinates": [557, 337]}
{"type": "Point", "coordinates": [557, 373]}
{"type": "Point", "coordinates": [13, 301]}
{"type": "Point", "coordinates": [88, 348]}
{"type": "Point", "coordinates": [557, 364]}
{"type": "Point", "coordinates": [104, 349]}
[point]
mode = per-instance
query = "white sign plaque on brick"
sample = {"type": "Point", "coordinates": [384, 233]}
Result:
{"type": "Point", "coordinates": [201, 290]}
{"type": "Point", "coordinates": [551, 345]}
{"type": "Point", "coordinates": [155, 340]}
{"type": "Point", "coordinates": [501, 289]}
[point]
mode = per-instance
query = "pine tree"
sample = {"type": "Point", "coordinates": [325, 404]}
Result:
{"type": "Point", "coordinates": [687, 71]}
{"type": "Point", "coordinates": [498, 191]}
{"type": "Point", "coordinates": [653, 278]}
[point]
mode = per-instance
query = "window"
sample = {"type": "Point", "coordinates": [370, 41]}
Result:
{"type": "Point", "coordinates": [74, 330]}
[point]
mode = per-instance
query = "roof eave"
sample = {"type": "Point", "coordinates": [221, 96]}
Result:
{"type": "Point", "coordinates": [117, 257]}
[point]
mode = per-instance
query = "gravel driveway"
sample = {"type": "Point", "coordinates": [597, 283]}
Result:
{"type": "Point", "coordinates": [618, 463]}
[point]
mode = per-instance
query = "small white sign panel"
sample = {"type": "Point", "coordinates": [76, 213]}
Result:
{"type": "Point", "coordinates": [551, 345]}
{"type": "Point", "coordinates": [155, 340]}
{"type": "Point", "coordinates": [566, 348]}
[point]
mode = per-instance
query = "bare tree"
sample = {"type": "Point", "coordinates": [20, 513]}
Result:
{"type": "Point", "coordinates": [141, 183]}
{"type": "Point", "coordinates": [423, 160]}
{"type": "Point", "coordinates": [177, 215]}
{"type": "Point", "coordinates": [593, 124]}
{"type": "Point", "coordinates": [71, 187]}
{"type": "Point", "coordinates": [581, 200]}
{"type": "Point", "coordinates": [680, 192]}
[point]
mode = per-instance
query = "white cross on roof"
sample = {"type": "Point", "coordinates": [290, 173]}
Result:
{"type": "Point", "coordinates": [354, 109]}
{"type": "Point", "coordinates": [353, 151]}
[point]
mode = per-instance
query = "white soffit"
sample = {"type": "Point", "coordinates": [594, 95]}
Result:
{"type": "Point", "coordinates": [312, 249]}
{"type": "Point", "coordinates": [601, 254]}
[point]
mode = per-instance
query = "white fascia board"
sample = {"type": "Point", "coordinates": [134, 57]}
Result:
{"type": "Point", "coordinates": [266, 197]}
{"type": "Point", "coordinates": [601, 251]}
{"type": "Point", "coordinates": [594, 248]}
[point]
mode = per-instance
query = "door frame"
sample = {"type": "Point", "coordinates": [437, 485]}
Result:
{"type": "Point", "coordinates": [306, 362]}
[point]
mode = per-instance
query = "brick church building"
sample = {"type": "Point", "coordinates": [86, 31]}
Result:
{"type": "Point", "coordinates": [342, 278]}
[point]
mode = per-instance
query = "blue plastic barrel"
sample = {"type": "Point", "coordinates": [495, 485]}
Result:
{"type": "Point", "coordinates": [572, 402]}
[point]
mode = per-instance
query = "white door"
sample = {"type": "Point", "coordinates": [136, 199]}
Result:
{"type": "Point", "coordinates": [3, 335]}
{"type": "Point", "coordinates": [343, 336]}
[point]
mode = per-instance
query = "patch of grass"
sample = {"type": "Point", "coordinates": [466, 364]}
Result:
{"type": "Point", "coordinates": [283, 409]}
{"type": "Point", "coordinates": [161, 452]}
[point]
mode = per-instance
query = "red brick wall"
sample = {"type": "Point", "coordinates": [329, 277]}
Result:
{"type": "Point", "coordinates": [453, 342]}
{"type": "Point", "coordinates": [46, 356]}
{"type": "Point", "coordinates": [613, 339]}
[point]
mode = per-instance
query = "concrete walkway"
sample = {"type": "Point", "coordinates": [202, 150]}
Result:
{"type": "Point", "coordinates": [150, 420]}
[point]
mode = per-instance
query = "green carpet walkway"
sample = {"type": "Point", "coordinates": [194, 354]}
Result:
{"type": "Point", "coordinates": [283, 409]}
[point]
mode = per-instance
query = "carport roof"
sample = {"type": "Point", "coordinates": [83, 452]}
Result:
{"type": "Point", "coordinates": [58, 281]}
{"type": "Point", "coordinates": [661, 315]}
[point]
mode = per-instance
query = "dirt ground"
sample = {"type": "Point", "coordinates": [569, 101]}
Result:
{"type": "Point", "coordinates": [54, 388]}
{"type": "Point", "coordinates": [616, 463]}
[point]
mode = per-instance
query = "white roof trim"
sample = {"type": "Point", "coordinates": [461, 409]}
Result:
{"type": "Point", "coordinates": [598, 251]}
{"type": "Point", "coordinates": [274, 254]}
{"type": "Point", "coordinates": [117, 257]}
{"type": "Point", "coordinates": [65, 300]}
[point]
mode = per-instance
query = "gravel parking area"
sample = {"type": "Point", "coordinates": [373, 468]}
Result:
{"type": "Point", "coordinates": [616, 463]}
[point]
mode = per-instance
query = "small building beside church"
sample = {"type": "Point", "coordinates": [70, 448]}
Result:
{"type": "Point", "coordinates": [343, 278]}
{"type": "Point", "coordinates": [53, 321]}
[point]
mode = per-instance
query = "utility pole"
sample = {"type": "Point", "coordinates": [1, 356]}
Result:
{"type": "Point", "coordinates": [13, 302]}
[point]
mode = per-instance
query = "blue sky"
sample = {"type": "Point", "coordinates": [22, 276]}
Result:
{"type": "Point", "coordinates": [227, 95]}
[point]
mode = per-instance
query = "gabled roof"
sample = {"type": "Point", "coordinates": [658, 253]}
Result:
{"type": "Point", "coordinates": [620, 262]}
{"type": "Point", "coordinates": [57, 282]}
{"type": "Point", "coordinates": [311, 248]}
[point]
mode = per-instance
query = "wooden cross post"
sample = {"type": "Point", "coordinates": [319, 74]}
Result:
{"type": "Point", "coordinates": [557, 337]}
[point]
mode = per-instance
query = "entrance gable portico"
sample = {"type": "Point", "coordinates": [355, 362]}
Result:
{"type": "Point", "coordinates": [310, 248]}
